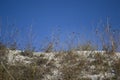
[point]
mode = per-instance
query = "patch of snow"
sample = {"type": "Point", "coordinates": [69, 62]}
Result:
{"type": "Point", "coordinates": [14, 56]}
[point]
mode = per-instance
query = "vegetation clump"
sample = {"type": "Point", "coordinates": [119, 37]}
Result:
{"type": "Point", "coordinates": [77, 62]}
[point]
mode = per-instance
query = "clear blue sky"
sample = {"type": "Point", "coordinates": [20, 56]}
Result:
{"type": "Point", "coordinates": [80, 16]}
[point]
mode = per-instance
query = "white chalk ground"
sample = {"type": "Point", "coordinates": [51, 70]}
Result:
{"type": "Point", "coordinates": [14, 57]}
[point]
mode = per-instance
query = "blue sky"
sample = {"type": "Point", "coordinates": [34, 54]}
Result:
{"type": "Point", "coordinates": [45, 16]}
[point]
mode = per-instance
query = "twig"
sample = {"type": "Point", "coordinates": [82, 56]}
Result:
{"type": "Point", "coordinates": [7, 71]}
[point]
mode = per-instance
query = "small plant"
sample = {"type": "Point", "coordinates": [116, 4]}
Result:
{"type": "Point", "coordinates": [72, 66]}
{"type": "Point", "coordinates": [116, 68]}
{"type": "Point", "coordinates": [3, 53]}
{"type": "Point", "coordinates": [109, 38]}
{"type": "Point", "coordinates": [49, 47]}
{"type": "Point", "coordinates": [27, 53]}
{"type": "Point", "coordinates": [13, 46]}
{"type": "Point", "coordinates": [88, 46]}
{"type": "Point", "coordinates": [2, 46]}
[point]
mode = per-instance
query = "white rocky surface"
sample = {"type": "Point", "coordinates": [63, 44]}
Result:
{"type": "Point", "coordinates": [15, 57]}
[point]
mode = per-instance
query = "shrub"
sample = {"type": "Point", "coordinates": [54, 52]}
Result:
{"type": "Point", "coordinates": [3, 52]}
{"type": "Point", "coordinates": [116, 68]}
{"type": "Point", "coordinates": [27, 53]}
{"type": "Point", "coordinates": [72, 66]}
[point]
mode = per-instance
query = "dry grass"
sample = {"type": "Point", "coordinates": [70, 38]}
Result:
{"type": "Point", "coordinates": [71, 65]}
